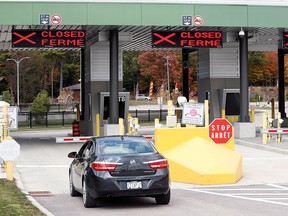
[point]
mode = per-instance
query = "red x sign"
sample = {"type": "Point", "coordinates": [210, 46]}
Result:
{"type": "Point", "coordinates": [24, 38]}
{"type": "Point", "coordinates": [164, 38]}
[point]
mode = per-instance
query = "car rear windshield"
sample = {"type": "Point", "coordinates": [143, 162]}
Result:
{"type": "Point", "coordinates": [123, 145]}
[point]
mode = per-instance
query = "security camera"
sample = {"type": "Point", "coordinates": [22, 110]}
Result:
{"type": "Point", "coordinates": [241, 34]}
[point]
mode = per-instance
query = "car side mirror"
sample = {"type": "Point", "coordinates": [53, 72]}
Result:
{"type": "Point", "coordinates": [72, 155]}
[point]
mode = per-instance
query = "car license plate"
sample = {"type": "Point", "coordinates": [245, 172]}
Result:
{"type": "Point", "coordinates": [134, 185]}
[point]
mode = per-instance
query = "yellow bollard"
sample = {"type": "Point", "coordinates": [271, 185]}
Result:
{"type": "Point", "coordinates": [77, 112]}
{"type": "Point", "coordinates": [206, 108]}
{"type": "Point", "coordinates": [98, 124]}
{"type": "Point", "coordinates": [264, 125]}
{"type": "Point", "coordinates": [5, 167]}
{"type": "Point", "coordinates": [268, 126]}
{"type": "Point", "coordinates": [136, 126]}
{"type": "Point", "coordinates": [279, 136]}
{"type": "Point", "coordinates": [121, 126]}
{"type": "Point", "coordinates": [129, 131]}
{"type": "Point", "coordinates": [156, 121]}
{"type": "Point", "coordinates": [170, 104]}
{"type": "Point", "coordinates": [273, 108]}
{"type": "Point", "coordinates": [252, 115]}
{"type": "Point", "coordinates": [223, 114]}
{"type": "Point", "coordinates": [9, 167]}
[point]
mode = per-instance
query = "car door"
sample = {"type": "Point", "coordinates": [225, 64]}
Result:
{"type": "Point", "coordinates": [77, 166]}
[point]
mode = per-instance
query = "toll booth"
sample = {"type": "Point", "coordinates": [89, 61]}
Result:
{"type": "Point", "coordinates": [104, 108]}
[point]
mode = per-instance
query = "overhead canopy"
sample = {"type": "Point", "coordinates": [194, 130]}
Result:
{"type": "Point", "coordinates": [265, 20]}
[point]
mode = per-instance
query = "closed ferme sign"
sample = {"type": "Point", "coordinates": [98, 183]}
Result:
{"type": "Point", "coordinates": [48, 38]}
{"type": "Point", "coordinates": [178, 39]}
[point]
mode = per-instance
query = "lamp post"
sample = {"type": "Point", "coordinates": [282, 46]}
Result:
{"type": "Point", "coordinates": [168, 75]}
{"type": "Point", "coordinates": [17, 64]}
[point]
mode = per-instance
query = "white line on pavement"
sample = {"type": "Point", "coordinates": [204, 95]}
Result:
{"type": "Point", "coordinates": [42, 166]}
{"type": "Point", "coordinates": [238, 197]}
{"type": "Point", "coordinates": [277, 186]}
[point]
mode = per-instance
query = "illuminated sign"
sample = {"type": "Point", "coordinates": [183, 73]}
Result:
{"type": "Point", "coordinates": [178, 39]}
{"type": "Point", "coordinates": [285, 40]}
{"type": "Point", "coordinates": [48, 38]}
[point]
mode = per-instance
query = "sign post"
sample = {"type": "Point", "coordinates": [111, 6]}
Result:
{"type": "Point", "coordinates": [220, 131]}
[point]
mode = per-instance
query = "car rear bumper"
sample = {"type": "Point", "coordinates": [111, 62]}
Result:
{"type": "Point", "coordinates": [117, 186]}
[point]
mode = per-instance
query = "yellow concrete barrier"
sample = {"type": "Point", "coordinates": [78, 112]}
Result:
{"type": "Point", "coordinates": [194, 158]}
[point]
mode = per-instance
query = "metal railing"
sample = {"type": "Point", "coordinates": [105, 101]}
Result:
{"type": "Point", "coordinates": [148, 115]}
{"type": "Point", "coordinates": [29, 119]}
{"type": "Point", "coordinates": [65, 118]}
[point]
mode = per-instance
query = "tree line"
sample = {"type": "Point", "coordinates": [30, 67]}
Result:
{"type": "Point", "coordinates": [52, 70]}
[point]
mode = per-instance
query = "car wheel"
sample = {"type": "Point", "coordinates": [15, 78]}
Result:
{"type": "Point", "coordinates": [73, 192]}
{"type": "Point", "coordinates": [89, 201]}
{"type": "Point", "coordinates": [163, 198]}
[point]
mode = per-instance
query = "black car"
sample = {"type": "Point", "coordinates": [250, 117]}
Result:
{"type": "Point", "coordinates": [116, 166]}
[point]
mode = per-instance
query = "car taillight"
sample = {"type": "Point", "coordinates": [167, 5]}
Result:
{"type": "Point", "coordinates": [104, 166]}
{"type": "Point", "coordinates": [158, 164]}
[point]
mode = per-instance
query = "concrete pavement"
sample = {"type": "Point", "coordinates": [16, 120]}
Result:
{"type": "Point", "coordinates": [43, 164]}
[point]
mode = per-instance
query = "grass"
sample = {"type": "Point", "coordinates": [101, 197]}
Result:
{"type": "Point", "coordinates": [14, 202]}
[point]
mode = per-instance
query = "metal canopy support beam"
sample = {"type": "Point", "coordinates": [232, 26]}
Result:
{"type": "Point", "coordinates": [113, 99]}
{"type": "Point", "coordinates": [185, 73]}
{"type": "Point", "coordinates": [281, 82]}
{"type": "Point", "coordinates": [82, 82]}
{"type": "Point", "coordinates": [244, 108]}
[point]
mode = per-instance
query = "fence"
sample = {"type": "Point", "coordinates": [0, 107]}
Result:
{"type": "Point", "coordinates": [28, 119]}
{"type": "Point", "coordinates": [62, 118]}
{"type": "Point", "coordinates": [149, 115]}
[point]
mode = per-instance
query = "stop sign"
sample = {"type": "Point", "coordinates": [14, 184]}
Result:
{"type": "Point", "coordinates": [220, 131]}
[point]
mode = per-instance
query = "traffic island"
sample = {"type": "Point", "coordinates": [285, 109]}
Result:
{"type": "Point", "coordinates": [195, 158]}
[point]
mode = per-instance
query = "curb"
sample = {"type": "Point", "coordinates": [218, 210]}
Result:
{"type": "Point", "coordinates": [34, 202]}
{"type": "Point", "coordinates": [264, 147]}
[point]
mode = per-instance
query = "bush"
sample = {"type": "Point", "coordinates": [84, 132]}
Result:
{"type": "Point", "coordinates": [7, 98]}
{"type": "Point", "coordinates": [40, 105]}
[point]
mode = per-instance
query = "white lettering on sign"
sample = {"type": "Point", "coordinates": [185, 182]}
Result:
{"type": "Point", "coordinates": [220, 135]}
{"type": "Point", "coordinates": [9, 150]}
{"type": "Point", "coordinates": [220, 127]}
{"type": "Point", "coordinates": [121, 98]}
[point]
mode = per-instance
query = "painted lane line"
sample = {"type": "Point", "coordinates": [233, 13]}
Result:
{"type": "Point", "coordinates": [242, 189]}
{"type": "Point", "coordinates": [260, 194]}
{"type": "Point", "coordinates": [277, 186]}
{"type": "Point", "coordinates": [42, 166]}
{"type": "Point", "coordinates": [238, 197]}
{"type": "Point", "coordinates": [275, 198]}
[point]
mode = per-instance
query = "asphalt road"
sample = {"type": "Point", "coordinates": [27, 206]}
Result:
{"type": "Point", "coordinates": [43, 169]}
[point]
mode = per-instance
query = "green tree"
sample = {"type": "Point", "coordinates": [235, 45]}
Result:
{"type": "Point", "coordinates": [6, 96]}
{"type": "Point", "coordinates": [40, 106]}
{"type": "Point", "coordinates": [257, 67]}
{"type": "Point", "coordinates": [131, 74]}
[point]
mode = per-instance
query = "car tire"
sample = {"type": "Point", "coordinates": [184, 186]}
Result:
{"type": "Point", "coordinates": [163, 199]}
{"type": "Point", "coordinates": [89, 201]}
{"type": "Point", "coordinates": [73, 192]}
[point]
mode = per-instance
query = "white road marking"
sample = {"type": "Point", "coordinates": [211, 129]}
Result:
{"type": "Point", "coordinates": [42, 166]}
{"type": "Point", "coordinates": [239, 197]}
{"type": "Point", "coordinates": [277, 186]}
{"type": "Point", "coordinates": [280, 158]}
{"type": "Point", "coordinates": [240, 189]}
